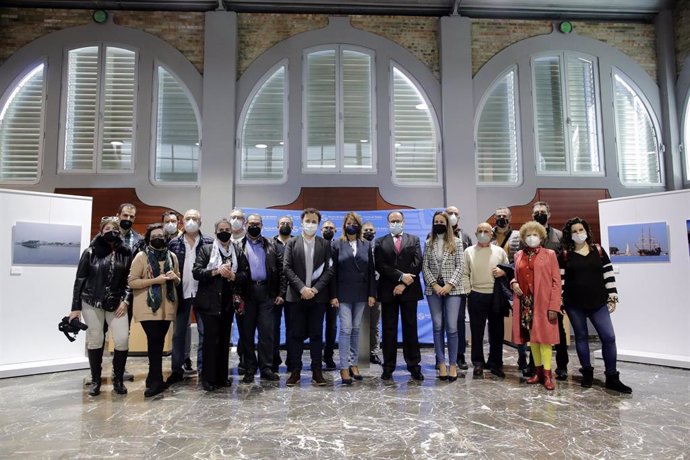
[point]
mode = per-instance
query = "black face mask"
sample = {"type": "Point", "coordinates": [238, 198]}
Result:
{"type": "Point", "coordinates": [125, 224]}
{"type": "Point", "coordinates": [541, 218]}
{"type": "Point", "coordinates": [352, 229]}
{"type": "Point", "coordinates": [285, 230]}
{"type": "Point", "coordinates": [502, 222]}
{"type": "Point", "coordinates": [369, 236]}
{"type": "Point", "coordinates": [254, 231]}
{"type": "Point", "coordinates": [224, 237]}
{"type": "Point", "coordinates": [439, 229]}
{"type": "Point", "coordinates": [111, 236]}
{"type": "Point", "coordinates": [328, 234]}
{"type": "Point", "coordinates": [158, 243]}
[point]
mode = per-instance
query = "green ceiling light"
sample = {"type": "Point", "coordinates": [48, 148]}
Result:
{"type": "Point", "coordinates": [100, 16]}
{"type": "Point", "coordinates": [565, 27]}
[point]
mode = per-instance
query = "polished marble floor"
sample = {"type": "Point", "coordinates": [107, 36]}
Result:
{"type": "Point", "coordinates": [51, 416]}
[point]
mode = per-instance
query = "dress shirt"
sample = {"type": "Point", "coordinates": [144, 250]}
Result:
{"type": "Point", "coordinates": [256, 255]}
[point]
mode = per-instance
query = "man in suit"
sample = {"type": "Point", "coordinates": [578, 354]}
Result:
{"type": "Point", "coordinates": [398, 258]}
{"type": "Point", "coordinates": [308, 268]}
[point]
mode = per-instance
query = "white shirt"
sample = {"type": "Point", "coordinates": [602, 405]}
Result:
{"type": "Point", "coordinates": [189, 284]}
{"type": "Point", "coordinates": [353, 245]}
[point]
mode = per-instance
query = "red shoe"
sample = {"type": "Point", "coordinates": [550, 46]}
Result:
{"type": "Point", "coordinates": [538, 376]}
{"type": "Point", "coordinates": [548, 381]}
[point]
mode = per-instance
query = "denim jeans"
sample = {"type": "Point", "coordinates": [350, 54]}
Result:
{"type": "Point", "coordinates": [350, 315]}
{"type": "Point", "coordinates": [448, 308]}
{"type": "Point", "coordinates": [601, 320]}
{"type": "Point", "coordinates": [180, 334]}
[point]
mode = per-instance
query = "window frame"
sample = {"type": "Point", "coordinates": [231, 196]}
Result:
{"type": "Point", "coordinates": [9, 94]}
{"type": "Point", "coordinates": [392, 65]}
{"type": "Point", "coordinates": [562, 56]}
{"type": "Point", "coordinates": [339, 167]}
{"type": "Point", "coordinates": [157, 65]}
{"type": "Point", "coordinates": [518, 129]}
{"type": "Point", "coordinates": [685, 137]}
{"type": "Point", "coordinates": [286, 126]}
{"type": "Point", "coordinates": [97, 169]}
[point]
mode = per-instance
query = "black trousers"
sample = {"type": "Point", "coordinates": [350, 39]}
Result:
{"type": "Point", "coordinates": [306, 322]}
{"type": "Point", "coordinates": [561, 347]}
{"type": "Point", "coordinates": [480, 308]}
{"type": "Point", "coordinates": [389, 342]}
{"type": "Point", "coordinates": [239, 319]}
{"type": "Point", "coordinates": [155, 338]}
{"type": "Point", "coordinates": [258, 315]}
{"type": "Point", "coordinates": [216, 347]}
{"type": "Point", "coordinates": [331, 332]}
{"type": "Point", "coordinates": [277, 314]}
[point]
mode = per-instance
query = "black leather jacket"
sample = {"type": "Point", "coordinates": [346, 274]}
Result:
{"type": "Point", "coordinates": [275, 280]}
{"type": "Point", "coordinates": [209, 294]}
{"type": "Point", "coordinates": [94, 271]}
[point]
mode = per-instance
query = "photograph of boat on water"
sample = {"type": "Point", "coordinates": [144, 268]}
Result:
{"type": "Point", "coordinates": [639, 243]}
{"type": "Point", "coordinates": [687, 225]}
{"type": "Point", "coordinates": [36, 243]}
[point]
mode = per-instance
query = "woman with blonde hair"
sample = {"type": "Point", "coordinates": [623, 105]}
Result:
{"type": "Point", "coordinates": [537, 300]}
{"type": "Point", "coordinates": [442, 267]}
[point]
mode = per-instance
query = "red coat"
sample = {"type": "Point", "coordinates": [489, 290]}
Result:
{"type": "Point", "coordinates": [547, 296]}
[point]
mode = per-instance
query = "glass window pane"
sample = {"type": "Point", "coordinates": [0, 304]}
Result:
{"type": "Point", "coordinates": [177, 132]}
{"type": "Point", "coordinates": [551, 154]}
{"type": "Point", "coordinates": [118, 109]}
{"type": "Point", "coordinates": [81, 109]}
{"type": "Point", "coordinates": [496, 137]}
{"type": "Point", "coordinates": [321, 109]}
{"type": "Point", "coordinates": [582, 115]}
{"type": "Point", "coordinates": [357, 109]}
{"type": "Point", "coordinates": [21, 120]}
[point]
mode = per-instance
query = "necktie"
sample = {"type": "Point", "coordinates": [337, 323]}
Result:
{"type": "Point", "coordinates": [398, 243]}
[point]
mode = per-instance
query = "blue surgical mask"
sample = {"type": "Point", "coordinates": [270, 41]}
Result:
{"type": "Point", "coordinates": [395, 228]}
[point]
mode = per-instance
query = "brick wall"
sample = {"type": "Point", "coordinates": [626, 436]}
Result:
{"type": "Point", "coordinates": [681, 17]}
{"type": "Point", "coordinates": [636, 40]}
{"type": "Point", "coordinates": [184, 31]}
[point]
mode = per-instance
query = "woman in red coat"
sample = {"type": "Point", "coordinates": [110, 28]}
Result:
{"type": "Point", "coordinates": [537, 300]}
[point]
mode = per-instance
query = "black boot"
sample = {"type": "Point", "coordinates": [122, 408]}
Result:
{"type": "Point", "coordinates": [119, 360]}
{"type": "Point", "coordinates": [587, 377]}
{"type": "Point", "coordinates": [95, 362]}
{"type": "Point", "coordinates": [614, 383]}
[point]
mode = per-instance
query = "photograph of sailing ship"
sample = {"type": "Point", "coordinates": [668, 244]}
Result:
{"type": "Point", "coordinates": [35, 243]}
{"type": "Point", "coordinates": [639, 243]}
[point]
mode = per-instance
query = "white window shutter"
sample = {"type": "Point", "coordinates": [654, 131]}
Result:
{"type": "Point", "coordinates": [321, 110]}
{"type": "Point", "coordinates": [582, 115]}
{"type": "Point", "coordinates": [357, 110]}
{"type": "Point", "coordinates": [118, 109]}
{"type": "Point", "coordinates": [550, 125]}
{"type": "Point", "coordinates": [82, 109]}
{"type": "Point", "coordinates": [21, 129]}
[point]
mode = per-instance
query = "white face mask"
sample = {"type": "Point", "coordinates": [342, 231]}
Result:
{"type": "Point", "coordinates": [483, 238]}
{"type": "Point", "coordinates": [579, 237]}
{"type": "Point", "coordinates": [309, 229]}
{"type": "Point", "coordinates": [236, 223]}
{"type": "Point", "coordinates": [395, 228]}
{"type": "Point", "coordinates": [453, 219]}
{"type": "Point", "coordinates": [533, 241]}
{"type": "Point", "coordinates": [191, 226]}
{"type": "Point", "coordinates": [170, 228]}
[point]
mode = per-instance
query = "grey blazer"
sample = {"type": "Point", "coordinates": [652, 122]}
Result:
{"type": "Point", "coordinates": [294, 268]}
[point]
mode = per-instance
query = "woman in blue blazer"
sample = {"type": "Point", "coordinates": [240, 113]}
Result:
{"type": "Point", "coordinates": [354, 286]}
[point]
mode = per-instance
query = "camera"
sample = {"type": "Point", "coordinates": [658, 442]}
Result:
{"type": "Point", "coordinates": [68, 327]}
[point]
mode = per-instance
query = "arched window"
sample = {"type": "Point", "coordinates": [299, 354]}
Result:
{"type": "Point", "coordinates": [415, 143]}
{"type": "Point", "coordinates": [263, 130]}
{"type": "Point", "coordinates": [21, 129]}
{"type": "Point", "coordinates": [637, 140]}
{"type": "Point", "coordinates": [176, 158]}
{"type": "Point", "coordinates": [496, 133]}
{"type": "Point", "coordinates": [98, 110]}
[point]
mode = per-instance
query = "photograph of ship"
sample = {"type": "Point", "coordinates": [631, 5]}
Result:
{"type": "Point", "coordinates": [687, 224]}
{"type": "Point", "coordinates": [639, 243]}
{"type": "Point", "coordinates": [35, 243]}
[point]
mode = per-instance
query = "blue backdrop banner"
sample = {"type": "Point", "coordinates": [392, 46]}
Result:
{"type": "Point", "coordinates": [417, 222]}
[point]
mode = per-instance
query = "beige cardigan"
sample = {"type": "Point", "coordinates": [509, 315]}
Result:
{"type": "Point", "coordinates": [139, 281]}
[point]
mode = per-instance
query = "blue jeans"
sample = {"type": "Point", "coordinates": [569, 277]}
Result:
{"type": "Point", "coordinates": [601, 320]}
{"type": "Point", "coordinates": [350, 315]}
{"type": "Point", "coordinates": [180, 334]}
{"type": "Point", "coordinates": [448, 308]}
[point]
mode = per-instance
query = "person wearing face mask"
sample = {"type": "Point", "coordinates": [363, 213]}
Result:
{"type": "Point", "coordinates": [479, 275]}
{"type": "Point", "coordinates": [170, 224]}
{"type": "Point", "coordinates": [186, 247]}
{"type": "Point", "coordinates": [239, 230]}
{"type": "Point", "coordinates": [354, 286]}
{"type": "Point", "coordinates": [541, 212]}
{"type": "Point", "coordinates": [285, 225]}
{"type": "Point", "coordinates": [504, 236]}
{"type": "Point", "coordinates": [537, 300]}
{"type": "Point", "coordinates": [101, 295]}
{"type": "Point", "coordinates": [153, 278]}
{"type": "Point", "coordinates": [126, 215]}
{"type": "Point", "coordinates": [369, 234]}
{"type": "Point", "coordinates": [442, 269]}
{"type": "Point", "coordinates": [589, 292]}
{"type": "Point", "coordinates": [308, 268]}
{"type": "Point", "coordinates": [328, 232]}
{"type": "Point", "coordinates": [221, 271]}
{"type": "Point", "coordinates": [265, 289]}
{"type": "Point", "coordinates": [398, 259]}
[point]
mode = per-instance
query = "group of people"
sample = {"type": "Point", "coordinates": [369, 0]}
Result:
{"type": "Point", "coordinates": [536, 274]}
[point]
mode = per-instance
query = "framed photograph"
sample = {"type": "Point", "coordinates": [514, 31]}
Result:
{"type": "Point", "coordinates": [687, 225]}
{"type": "Point", "coordinates": [639, 243]}
{"type": "Point", "coordinates": [36, 243]}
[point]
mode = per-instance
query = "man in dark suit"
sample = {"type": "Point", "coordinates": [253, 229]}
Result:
{"type": "Point", "coordinates": [308, 268]}
{"type": "Point", "coordinates": [398, 257]}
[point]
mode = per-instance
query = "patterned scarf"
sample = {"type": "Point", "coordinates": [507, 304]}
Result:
{"type": "Point", "coordinates": [155, 293]}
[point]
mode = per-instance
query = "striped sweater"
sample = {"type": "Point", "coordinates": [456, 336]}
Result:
{"type": "Point", "coordinates": [588, 281]}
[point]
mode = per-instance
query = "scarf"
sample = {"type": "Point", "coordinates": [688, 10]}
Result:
{"type": "Point", "coordinates": [527, 299]}
{"type": "Point", "coordinates": [155, 292]}
{"type": "Point", "coordinates": [219, 254]}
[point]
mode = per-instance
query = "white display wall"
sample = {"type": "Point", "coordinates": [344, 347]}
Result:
{"type": "Point", "coordinates": [652, 322]}
{"type": "Point", "coordinates": [33, 298]}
